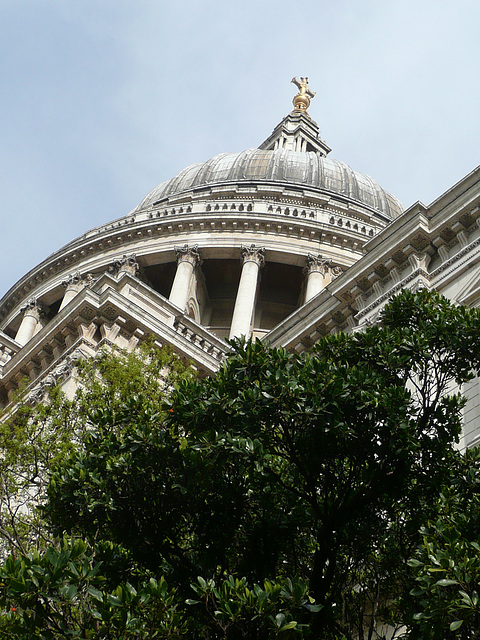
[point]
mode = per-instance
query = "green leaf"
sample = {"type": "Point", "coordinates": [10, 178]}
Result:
{"type": "Point", "coordinates": [445, 582]}
{"type": "Point", "coordinates": [72, 591]}
{"type": "Point", "coordinates": [456, 625]}
{"type": "Point", "coordinates": [413, 562]}
{"type": "Point", "coordinates": [95, 593]}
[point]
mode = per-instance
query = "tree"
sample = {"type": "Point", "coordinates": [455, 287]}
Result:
{"type": "Point", "coordinates": [315, 470]}
{"type": "Point", "coordinates": [60, 593]}
{"type": "Point", "coordinates": [343, 450]}
{"type": "Point", "coordinates": [60, 587]}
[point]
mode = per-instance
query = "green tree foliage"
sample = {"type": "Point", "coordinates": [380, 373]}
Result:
{"type": "Point", "coordinates": [234, 610]}
{"type": "Point", "coordinates": [60, 593]}
{"type": "Point", "coordinates": [306, 475]}
{"type": "Point", "coordinates": [31, 442]}
{"type": "Point", "coordinates": [34, 439]}
{"type": "Point", "coordinates": [446, 598]}
{"type": "Point", "coordinates": [340, 451]}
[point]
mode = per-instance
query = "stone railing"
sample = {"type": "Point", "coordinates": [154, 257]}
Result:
{"type": "Point", "coordinates": [193, 333]}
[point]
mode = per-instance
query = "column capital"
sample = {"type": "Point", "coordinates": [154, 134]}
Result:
{"type": "Point", "coordinates": [127, 264]}
{"type": "Point", "coordinates": [336, 271]}
{"type": "Point", "coordinates": [33, 308]}
{"type": "Point", "coordinates": [253, 254]}
{"type": "Point", "coordinates": [73, 279]}
{"type": "Point", "coordinates": [74, 283]}
{"type": "Point", "coordinates": [317, 263]}
{"type": "Point", "coordinates": [188, 254]}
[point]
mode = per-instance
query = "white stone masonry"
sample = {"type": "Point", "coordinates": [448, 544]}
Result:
{"type": "Point", "coordinates": [187, 260]}
{"type": "Point", "coordinates": [30, 322]}
{"type": "Point", "coordinates": [253, 260]}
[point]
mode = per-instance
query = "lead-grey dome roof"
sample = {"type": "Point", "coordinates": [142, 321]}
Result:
{"type": "Point", "coordinates": [309, 169]}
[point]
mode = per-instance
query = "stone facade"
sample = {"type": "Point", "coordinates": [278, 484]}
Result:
{"type": "Point", "coordinates": [279, 243]}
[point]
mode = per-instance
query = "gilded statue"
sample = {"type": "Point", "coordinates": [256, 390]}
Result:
{"type": "Point", "coordinates": [301, 101]}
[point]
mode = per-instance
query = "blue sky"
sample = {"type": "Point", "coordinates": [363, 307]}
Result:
{"type": "Point", "coordinates": [103, 99]}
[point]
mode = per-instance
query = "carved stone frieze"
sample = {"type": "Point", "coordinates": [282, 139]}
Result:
{"type": "Point", "coordinates": [336, 271]}
{"type": "Point", "coordinates": [419, 261]}
{"type": "Point", "coordinates": [408, 282]}
{"type": "Point", "coordinates": [5, 354]}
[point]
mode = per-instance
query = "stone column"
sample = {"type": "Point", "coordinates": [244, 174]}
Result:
{"type": "Point", "coordinates": [187, 260]}
{"type": "Point", "coordinates": [253, 259]}
{"type": "Point", "coordinates": [73, 284]}
{"type": "Point", "coordinates": [30, 322]}
{"type": "Point", "coordinates": [317, 275]}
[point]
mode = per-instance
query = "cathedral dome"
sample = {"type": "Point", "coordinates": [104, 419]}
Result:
{"type": "Point", "coordinates": [310, 169]}
{"type": "Point", "coordinates": [193, 249]}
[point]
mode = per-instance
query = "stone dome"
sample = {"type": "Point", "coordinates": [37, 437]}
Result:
{"type": "Point", "coordinates": [284, 207]}
{"type": "Point", "coordinates": [310, 169]}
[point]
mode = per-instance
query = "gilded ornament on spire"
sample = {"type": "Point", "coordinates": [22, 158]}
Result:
{"type": "Point", "coordinates": [301, 101]}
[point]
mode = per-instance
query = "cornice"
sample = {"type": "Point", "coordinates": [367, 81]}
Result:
{"type": "Point", "coordinates": [396, 288]}
{"type": "Point", "coordinates": [452, 198]}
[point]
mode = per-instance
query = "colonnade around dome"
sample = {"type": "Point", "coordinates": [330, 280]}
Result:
{"type": "Point", "coordinates": [192, 303]}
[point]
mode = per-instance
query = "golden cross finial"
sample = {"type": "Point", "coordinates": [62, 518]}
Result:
{"type": "Point", "coordinates": [301, 101]}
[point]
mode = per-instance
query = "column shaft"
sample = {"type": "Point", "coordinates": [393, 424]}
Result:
{"type": "Point", "coordinates": [253, 259]}
{"type": "Point", "coordinates": [28, 325]}
{"type": "Point", "coordinates": [315, 283]}
{"type": "Point", "coordinates": [70, 293]}
{"type": "Point", "coordinates": [187, 259]}
{"type": "Point", "coordinates": [181, 284]}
